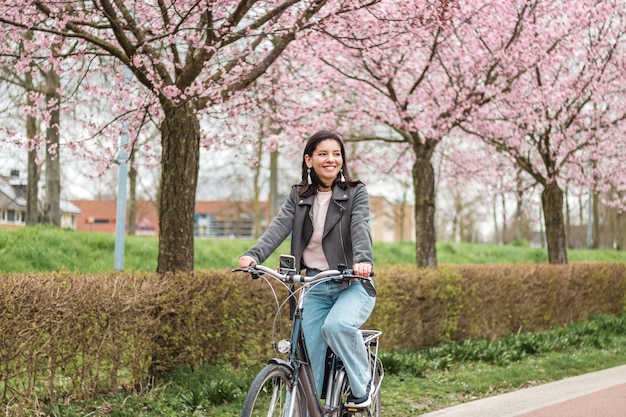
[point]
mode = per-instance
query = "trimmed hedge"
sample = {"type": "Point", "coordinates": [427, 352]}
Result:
{"type": "Point", "coordinates": [80, 335]}
{"type": "Point", "coordinates": [420, 308]}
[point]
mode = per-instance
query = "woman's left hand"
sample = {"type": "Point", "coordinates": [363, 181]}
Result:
{"type": "Point", "coordinates": [362, 269]}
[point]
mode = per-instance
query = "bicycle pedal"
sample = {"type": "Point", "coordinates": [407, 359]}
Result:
{"type": "Point", "coordinates": [354, 412]}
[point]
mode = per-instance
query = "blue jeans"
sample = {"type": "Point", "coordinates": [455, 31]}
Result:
{"type": "Point", "coordinates": [332, 317]}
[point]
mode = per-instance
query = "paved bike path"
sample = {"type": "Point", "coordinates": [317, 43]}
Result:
{"type": "Point", "coordinates": [597, 394]}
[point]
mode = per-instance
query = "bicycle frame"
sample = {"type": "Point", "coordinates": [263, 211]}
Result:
{"type": "Point", "coordinates": [302, 386]}
{"type": "Point", "coordinates": [302, 372]}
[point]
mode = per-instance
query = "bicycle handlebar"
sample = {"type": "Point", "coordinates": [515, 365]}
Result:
{"type": "Point", "coordinates": [257, 270]}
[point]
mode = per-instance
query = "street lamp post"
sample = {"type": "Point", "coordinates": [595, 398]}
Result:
{"type": "Point", "coordinates": [122, 160]}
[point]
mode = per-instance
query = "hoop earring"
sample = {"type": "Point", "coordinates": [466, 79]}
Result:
{"type": "Point", "coordinates": [342, 178]}
{"type": "Point", "coordinates": [308, 176]}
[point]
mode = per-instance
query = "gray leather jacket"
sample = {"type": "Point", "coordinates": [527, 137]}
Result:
{"type": "Point", "coordinates": [347, 236]}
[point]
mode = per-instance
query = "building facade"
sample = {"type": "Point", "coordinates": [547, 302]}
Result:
{"type": "Point", "coordinates": [13, 204]}
{"type": "Point", "coordinates": [235, 219]}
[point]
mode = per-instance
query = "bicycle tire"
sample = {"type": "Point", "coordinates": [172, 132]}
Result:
{"type": "Point", "coordinates": [269, 394]}
{"type": "Point", "coordinates": [375, 410]}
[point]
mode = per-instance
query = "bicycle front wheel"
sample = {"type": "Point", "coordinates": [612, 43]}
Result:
{"type": "Point", "coordinates": [272, 395]}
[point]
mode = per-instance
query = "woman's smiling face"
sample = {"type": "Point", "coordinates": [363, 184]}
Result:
{"type": "Point", "coordinates": [326, 161]}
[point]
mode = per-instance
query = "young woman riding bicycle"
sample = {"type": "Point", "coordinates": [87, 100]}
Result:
{"type": "Point", "coordinates": [327, 216]}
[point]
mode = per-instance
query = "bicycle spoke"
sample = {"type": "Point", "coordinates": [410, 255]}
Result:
{"type": "Point", "coordinates": [271, 395]}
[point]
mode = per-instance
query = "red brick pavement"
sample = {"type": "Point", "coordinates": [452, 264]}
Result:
{"type": "Point", "coordinates": [610, 402]}
{"type": "Point", "coordinates": [597, 394]}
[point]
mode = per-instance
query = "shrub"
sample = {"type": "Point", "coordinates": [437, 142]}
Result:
{"type": "Point", "coordinates": [82, 334]}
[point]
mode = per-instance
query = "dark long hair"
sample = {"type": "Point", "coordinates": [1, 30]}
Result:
{"type": "Point", "coordinates": [308, 190]}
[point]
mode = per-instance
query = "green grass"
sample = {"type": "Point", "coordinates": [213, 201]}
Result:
{"type": "Point", "coordinates": [37, 249]}
{"type": "Point", "coordinates": [406, 395]}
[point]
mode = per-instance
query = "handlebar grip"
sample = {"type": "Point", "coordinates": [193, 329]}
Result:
{"type": "Point", "coordinates": [367, 283]}
{"type": "Point", "coordinates": [351, 272]}
{"type": "Point", "coordinates": [254, 273]}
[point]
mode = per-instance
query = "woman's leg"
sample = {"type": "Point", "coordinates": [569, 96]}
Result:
{"type": "Point", "coordinates": [341, 330]}
{"type": "Point", "coordinates": [317, 304]}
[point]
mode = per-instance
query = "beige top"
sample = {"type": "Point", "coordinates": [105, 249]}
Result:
{"type": "Point", "coordinates": [313, 255]}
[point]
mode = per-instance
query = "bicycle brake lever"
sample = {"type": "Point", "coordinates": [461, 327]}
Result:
{"type": "Point", "coordinates": [256, 274]}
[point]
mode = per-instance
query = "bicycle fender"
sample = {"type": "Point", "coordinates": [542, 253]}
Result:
{"type": "Point", "coordinates": [279, 361]}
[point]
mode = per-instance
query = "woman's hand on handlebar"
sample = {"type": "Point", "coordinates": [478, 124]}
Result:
{"type": "Point", "coordinates": [362, 269]}
{"type": "Point", "coordinates": [246, 261]}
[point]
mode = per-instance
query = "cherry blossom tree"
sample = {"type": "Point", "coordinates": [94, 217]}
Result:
{"type": "Point", "coordinates": [557, 95]}
{"type": "Point", "coordinates": [188, 57]}
{"type": "Point", "coordinates": [539, 81]}
{"type": "Point", "coordinates": [40, 86]}
{"type": "Point", "coordinates": [383, 83]}
{"type": "Point", "coordinates": [25, 86]}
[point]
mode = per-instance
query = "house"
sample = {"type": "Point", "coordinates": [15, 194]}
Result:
{"type": "Point", "coordinates": [101, 216]}
{"type": "Point", "coordinates": [12, 201]}
{"type": "Point", "coordinates": [13, 204]}
{"type": "Point", "coordinates": [211, 218]}
{"type": "Point", "coordinates": [391, 222]}
{"type": "Point", "coordinates": [235, 219]}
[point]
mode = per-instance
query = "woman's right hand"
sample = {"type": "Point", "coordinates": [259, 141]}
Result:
{"type": "Point", "coordinates": [246, 261]}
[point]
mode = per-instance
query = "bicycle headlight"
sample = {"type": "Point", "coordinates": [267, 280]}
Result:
{"type": "Point", "coordinates": [283, 346]}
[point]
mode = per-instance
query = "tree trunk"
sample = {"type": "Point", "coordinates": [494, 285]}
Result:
{"type": "Point", "coordinates": [425, 237]}
{"type": "Point", "coordinates": [596, 222]}
{"type": "Point", "coordinates": [613, 224]}
{"type": "Point", "coordinates": [519, 208]}
{"type": "Point", "coordinates": [256, 194]}
{"type": "Point", "coordinates": [619, 231]}
{"type": "Point", "coordinates": [456, 236]}
{"type": "Point", "coordinates": [401, 220]}
{"type": "Point", "coordinates": [273, 200]}
{"type": "Point", "coordinates": [568, 221]}
{"type": "Point", "coordinates": [552, 201]}
{"type": "Point", "coordinates": [542, 235]}
{"type": "Point", "coordinates": [581, 220]}
{"type": "Point", "coordinates": [32, 185]}
{"type": "Point", "coordinates": [505, 220]}
{"type": "Point", "coordinates": [53, 165]}
{"type": "Point", "coordinates": [177, 197]}
{"type": "Point", "coordinates": [519, 214]}
{"type": "Point", "coordinates": [496, 233]}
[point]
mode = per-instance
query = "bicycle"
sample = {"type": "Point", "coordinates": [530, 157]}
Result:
{"type": "Point", "coordinates": [286, 387]}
